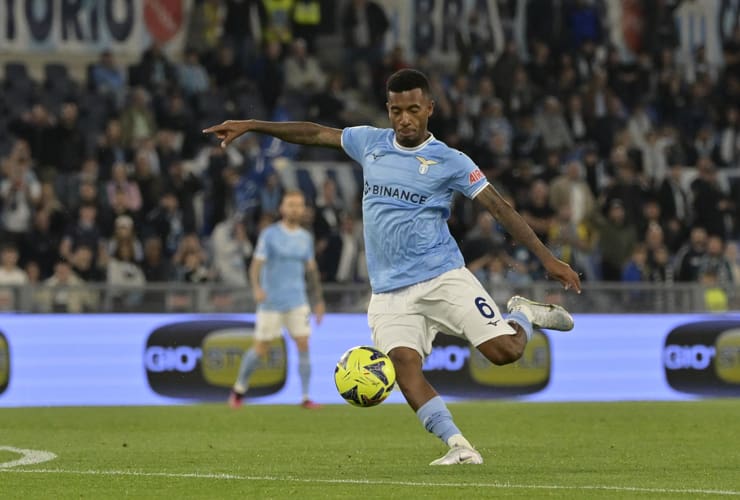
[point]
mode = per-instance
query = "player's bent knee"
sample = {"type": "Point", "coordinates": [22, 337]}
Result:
{"type": "Point", "coordinates": [407, 363]}
{"type": "Point", "coordinates": [301, 343]}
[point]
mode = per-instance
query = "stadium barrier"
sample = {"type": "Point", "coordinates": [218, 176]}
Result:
{"type": "Point", "coordinates": [597, 297]}
{"type": "Point", "coordinates": [165, 359]}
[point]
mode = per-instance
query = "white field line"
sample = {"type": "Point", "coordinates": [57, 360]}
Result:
{"type": "Point", "coordinates": [415, 484]}
{"type": "Point", "coordinates": [29, 457]}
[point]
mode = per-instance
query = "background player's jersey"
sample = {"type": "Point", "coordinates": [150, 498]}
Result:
{"type": "Point", "coordinates": [285, 252]}
{"type": "Point", "coordinates": [406, 202]}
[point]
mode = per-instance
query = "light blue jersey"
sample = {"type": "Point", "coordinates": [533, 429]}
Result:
{"type": "Point", "coordinates": [285, 252]}
{"type": "Point", "coordinates": [406, 202]}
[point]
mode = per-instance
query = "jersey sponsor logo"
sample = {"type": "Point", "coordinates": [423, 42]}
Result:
{"type": "Point", "coordinates": [394, 192]}
{"type": "Point", "coordinates": [424, 164]}
{"type": "Point", "coordinates": [704, 358]}
{"type": "Point", "coordinates": [475, 176]}
{"type": "Point", "coordinates": [4, 363]}
{"type": "Point", "coordinates": [199, 360]}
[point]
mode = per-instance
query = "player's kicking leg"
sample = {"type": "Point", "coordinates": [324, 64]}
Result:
{"type": "Point", "coordinates": [430, 409]}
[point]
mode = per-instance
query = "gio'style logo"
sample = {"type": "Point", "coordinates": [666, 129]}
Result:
{"type": "Point", "coordinates": [199, 360]}
{"type": "Point", "coordinates": [456, 368]}
{"type": "Point", "coordinates": [704, 358]}
{"type": "Point", "coordinates": [4, 363]}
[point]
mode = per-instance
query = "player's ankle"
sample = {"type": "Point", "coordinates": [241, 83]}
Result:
{"type": "Point", "coordinates": [458, 440]}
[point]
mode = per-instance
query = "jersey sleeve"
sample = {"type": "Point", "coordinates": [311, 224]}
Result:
{"type": "Point", "coordinates": [310, 250]}
{"type": "Point", "coordinates": [356, 139]}
{"type": "Point", "coordinates": [468, 178]}
{"type": "Point", "coordinates": [263, 245]}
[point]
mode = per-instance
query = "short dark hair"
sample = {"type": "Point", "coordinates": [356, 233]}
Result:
{"type": "Point", "coordinates": [407, 79]}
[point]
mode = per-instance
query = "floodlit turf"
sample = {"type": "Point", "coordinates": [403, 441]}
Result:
{"type": "Point", "coordinates": [620, 450]}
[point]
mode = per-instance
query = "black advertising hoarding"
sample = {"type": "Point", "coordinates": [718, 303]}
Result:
{"type": "Point", "coordinates": [456, 368]}
{"type": "Point", "coordinates": [199, 360]}
{"type": "Point", "coordinates": [4, 363]}
{"type": "Point", "coordinates": [703, 358]}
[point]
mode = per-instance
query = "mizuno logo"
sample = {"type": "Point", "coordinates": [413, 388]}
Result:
{"type": "Point", "coordinates": [377, 155]}
{"type": "Point", "coordinates": [494, 323]}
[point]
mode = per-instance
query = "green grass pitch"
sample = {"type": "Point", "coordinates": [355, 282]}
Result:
{"type": "Point", "coordinates": [617, 450]}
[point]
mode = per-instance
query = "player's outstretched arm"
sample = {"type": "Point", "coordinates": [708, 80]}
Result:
{"type": "Point", "coordinates": [307, 133]}
{"type": "Point", "coordinates": [520, 230]}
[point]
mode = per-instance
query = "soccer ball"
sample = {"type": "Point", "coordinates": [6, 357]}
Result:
{"type": "Point", "coordinates": [364, 376]}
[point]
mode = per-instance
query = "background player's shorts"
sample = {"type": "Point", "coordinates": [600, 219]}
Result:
{"type": "Point", "coordinates": [270, 323]}
{"type": "Point", "coordinates": [454, 303]}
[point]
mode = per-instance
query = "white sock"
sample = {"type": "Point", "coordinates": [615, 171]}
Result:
{"type": "Point", "coordinates": [458, 440]}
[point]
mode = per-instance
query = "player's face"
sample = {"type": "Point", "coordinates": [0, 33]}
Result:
{"type": "Point", "coordinates": [409, 112]}
{"type": "Point", "coordinates": [292, 208]}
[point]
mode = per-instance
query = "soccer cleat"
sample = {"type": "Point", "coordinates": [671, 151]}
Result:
{"type": "Point", "coordinates": [310, 405]}
{"type": "Point", "coordinates": [459, 455]}
{"type": "Point", "coordinates": [550, 316]}
{"type": "Point", "coordinates": [235, 400]}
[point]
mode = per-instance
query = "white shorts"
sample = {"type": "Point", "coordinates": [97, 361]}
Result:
{"type": "Point", "coordinates": [454, 303]}
{"type": "Point", "coordinates": [269, 324]}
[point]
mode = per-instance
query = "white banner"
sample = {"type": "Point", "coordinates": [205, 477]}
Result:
{"type": "Point", "coordinates": [87, 27]}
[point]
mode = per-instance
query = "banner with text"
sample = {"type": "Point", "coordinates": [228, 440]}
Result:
{"type": "Point", "coordinates": [87, 27]}
{"type": "Point", "coordinates": [160, 359]}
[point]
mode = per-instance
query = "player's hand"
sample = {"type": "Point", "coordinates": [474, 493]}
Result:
{"type": "Point", "coordinates": [318, 311]}
{"type": "Point", "coordinates": [259, 294]}
{"type": "Point", "coordinates": [559, 270]}
{"type": "Point", "coordinates": [228, 130]}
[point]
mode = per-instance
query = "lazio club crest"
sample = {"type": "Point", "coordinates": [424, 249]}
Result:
{"type": "Point", "coordinates": [424, 164]}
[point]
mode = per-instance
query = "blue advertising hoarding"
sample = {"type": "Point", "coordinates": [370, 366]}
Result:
{"type": "Point", "coordinates": [161, 359]}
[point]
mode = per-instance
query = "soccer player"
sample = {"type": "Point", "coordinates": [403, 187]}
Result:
{"type": "Point", "coordinates": [417, 273]}
{"type": "Point", "coordinates": [282, 266]}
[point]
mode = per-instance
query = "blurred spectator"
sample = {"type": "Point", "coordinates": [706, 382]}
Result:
{"type": "Point", "coordinates": [108, 78]}
{"type": "Point", "coordinates": [231, 250]}
{"type": "Point", "coordinates": [572, 190]}
{"type": "Point", "coordinates": [137, 120]}
{"type": "Point", "coordinates": [191, 75]}
{"type": "Point", "coordinates": [576, 120]}
{"type": "Point", "coordinates": [716, 263]}
{"type": "Point", "coordinates": [711, 203]}
{"type": "Point", "coordinates": [154, 71]}
{"type": "Point", "coordinates": [83, 231]}
{"type": "Point", "coordinates": [307, 20]}
{"type": "Point", "coordinates": [168, 222]}
{"type": "Point", "coordinates": [125, 235]}
{"type": "Point", "coordinates": [69, 149]}
{"type": "Point", "coordinates": [617, 237]}
{"type": "Point", "coordinates": [636, 269]}
{"type": "Point", "coordinates": [303, 75]}
{"type": "Point", "coordinates": [340, 262]}
{"type": "Point", "coordinates": [690, 256]}
{"type": "Point", "coordinates": [225, 70]}
{"type": "Point", "coordinates": [364, 24]}
{"type": "Point", "coordinates": [626, 186]}
{"type": "Point", "coordinates": [123, 271]}
{"type": "Point", "coordinates": [206, 26]}
{"type": "Point", "coordinates": [481, 242]}
{"type": "Point", "coordinates": [120, 183]}
{"type": "Point", "coordinates": [111, 148]}
{"type": "Point", "coordinates": [20, 191]}
{"type": "Point", "coordinates": [552, 127]}
{"type": "Point", "coordinates": [271, 194]}
{"type": "Point", "coordinates": [148, 182]}
{"type": "Point", "coordinates": [278, 26]}
{"type": "Point", "coordinates": [537, 211]}
{"type": "Point", "coordinates": [572, 242]}
{"type": "Point", "coordinates": [269, 74]}
{"type": "Point", "coordinates": [186, 187]}
{"type": "Point", "coordinates": [156, 266]}
{"type": "Point", "coordinates": [10, 276]}
{"type": "Point", "coordinates": [37, 128]}
{"type": "Point", "coordinates": [65, 292]}
{"type": "Point", "coordinates": [733, 258]}
{"type": "Point", "coordinates": [192, 268]}
{"type": "Point", "coordinates": [40, 245]}
{"type": "Point", "coordinates": [83, 265]}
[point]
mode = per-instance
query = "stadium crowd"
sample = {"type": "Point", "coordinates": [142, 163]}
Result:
{"type": "Point", "coordinates": [625, 166]}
